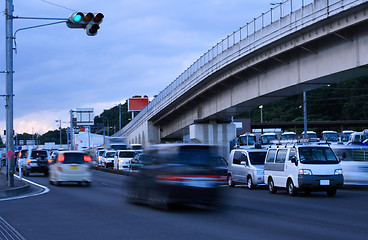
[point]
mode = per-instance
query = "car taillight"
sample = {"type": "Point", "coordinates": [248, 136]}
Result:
{"type": "Point", "coordinates": [87, 158]}
{"type": "Point", "coordinates": [28, 161]}
{"type": "Point", "coordinates": [50, 160]}
{"type": "Point", "coordinates": [61, 158]}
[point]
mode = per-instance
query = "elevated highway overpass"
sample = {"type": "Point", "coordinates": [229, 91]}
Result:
{"type": "Point", "coordinates": [288, 50]}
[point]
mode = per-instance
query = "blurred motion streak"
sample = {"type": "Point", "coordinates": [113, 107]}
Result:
{"type": "Point", "coordinates": [178, 174]}
{"type": "Point", "coordinates": [354, 161]}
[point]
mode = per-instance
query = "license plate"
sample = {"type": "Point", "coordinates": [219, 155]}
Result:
{"type": "Point", "coordinates": [324, 182]}
{"type": "Point", "coordinates": [74, 167]}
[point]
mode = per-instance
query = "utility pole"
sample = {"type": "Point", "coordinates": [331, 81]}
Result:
{"type": "Point", "coordinates": [9, 89]}
{"type": "Point", "coordinates": [119, 116]}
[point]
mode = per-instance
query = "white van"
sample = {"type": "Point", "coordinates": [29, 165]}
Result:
{"type": "Point", "coordinates": [123, 159]}
{"type": "Point", "coordinates": [302, 167]}
{"type": "Point", "coordinates": [246, 166]}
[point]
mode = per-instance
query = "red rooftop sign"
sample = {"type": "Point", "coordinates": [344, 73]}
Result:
{"type": "Point", "coordinates": [137, 104]}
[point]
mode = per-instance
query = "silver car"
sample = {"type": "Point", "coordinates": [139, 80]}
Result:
{"type": "Point", "coordinates": [246, 166]}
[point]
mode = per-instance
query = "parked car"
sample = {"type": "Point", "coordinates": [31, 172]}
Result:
{"type": "Point", "coordinates": [107, 159]}
{"type": "Point", "coordinates": [70, 166]}
{"type": "Point", "coordinates": [123, 159]}
{"type": "Point", "coordinates": [246, 167]}
{"type": "Point", "coordinates": [178, 173]}
{"type": "Point", "coordinates": [37, 160]}
{"type": "Point", "coordinates": [303, 167]}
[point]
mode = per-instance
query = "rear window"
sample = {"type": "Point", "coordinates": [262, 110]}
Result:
{"type": "Point", "coordinates": [23, 154]}
{"type": "Point", "coordinates": [127, 154]}
{"type": "Point", "coordinates": [196, 156]}
{"type": "Point", "coordinates": [38, 153]}
{"type": "Point", "coordinates": [77, 158]}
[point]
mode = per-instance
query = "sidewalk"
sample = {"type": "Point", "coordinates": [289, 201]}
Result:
{"type": "Point", "coordinates": [18, 189]}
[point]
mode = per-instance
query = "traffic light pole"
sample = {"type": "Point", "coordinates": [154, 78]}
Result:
{"type": "Point", "coordinates": [9, 89]}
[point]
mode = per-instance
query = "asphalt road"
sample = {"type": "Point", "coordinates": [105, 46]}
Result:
{"type": "Point", "coordinates": [100, 212]}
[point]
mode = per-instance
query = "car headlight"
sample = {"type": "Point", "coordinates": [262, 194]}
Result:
{"type": "Point", "coordinates": [305, 172]}
{"type": "Point", "coordinates": [338, 172]}
{"type": "Point", "coordinates": [258, 171]}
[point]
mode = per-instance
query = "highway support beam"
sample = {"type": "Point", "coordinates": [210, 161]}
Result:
{"type": "Point", "coordinates": [218, 134]}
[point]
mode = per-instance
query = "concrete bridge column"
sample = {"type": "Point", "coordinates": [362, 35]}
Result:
{"type": "Point", "coordinates": [153, 135]}
{"type": "Point", "coordinates": [214, 134]}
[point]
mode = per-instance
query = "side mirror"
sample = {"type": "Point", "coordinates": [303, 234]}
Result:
{"type": "Point", "coordinates": [294, 160]}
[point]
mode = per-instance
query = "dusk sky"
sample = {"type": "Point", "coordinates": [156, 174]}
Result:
{"type": "Point", "coordinates": [142, 46]}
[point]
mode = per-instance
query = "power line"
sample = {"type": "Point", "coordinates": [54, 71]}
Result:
{"type": "Point", "coordinates": [58, 5]}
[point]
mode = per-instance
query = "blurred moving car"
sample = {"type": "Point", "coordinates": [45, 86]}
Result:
{"type": "Point", "coordinates": [37, 160]}
{"type": "Point", "coordinates": [107, 159]}
{"type": "Point", "coordinates": [70, 166]}
{"type": "Point", "coordinates": [178, 173]}
{"type": "Point", "coordinates": [139, 160]}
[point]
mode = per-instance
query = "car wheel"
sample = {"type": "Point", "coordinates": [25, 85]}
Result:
{"type": "Point", "coordinates": [331, 192]}
{"type": "Point", "coordinates": [158, 199]}
{"type": "Point", "coordinates": [230, 181]}
{"type": "Point", "coordinates": [271, 186]}
{"type": "Point", "coordinates": [291, 189]}
{"type": "Point", "coordinates": [250, 184]}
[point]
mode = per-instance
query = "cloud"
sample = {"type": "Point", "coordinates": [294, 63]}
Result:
{"type": "Point", "coordinates": [141, 48]}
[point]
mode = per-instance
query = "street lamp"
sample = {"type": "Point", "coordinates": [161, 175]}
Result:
{"type": "Point", "coordinates": [261, 107]}
{"type": "Point", "coordinates": [59, 121]}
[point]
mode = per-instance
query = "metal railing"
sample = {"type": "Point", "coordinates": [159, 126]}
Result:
{"type": "Point", "coordinates": [281, 20]}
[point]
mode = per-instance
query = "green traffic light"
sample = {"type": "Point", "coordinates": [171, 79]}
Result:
{"type": "Point", "coordinates": [77, 18]}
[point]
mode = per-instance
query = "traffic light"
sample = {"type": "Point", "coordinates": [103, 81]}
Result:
{"type": "Point", "coordinates": [89, 21]}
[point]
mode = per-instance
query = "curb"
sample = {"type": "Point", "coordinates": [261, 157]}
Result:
{"type": "Point", "coordinates": [110, 170]}
{"type": "Point", "coordinates": [15, 191]}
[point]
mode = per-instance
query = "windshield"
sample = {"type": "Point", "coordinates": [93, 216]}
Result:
{"type": "Point", "coordinates": [110, 154]}
{"type": "Point", "coordinates": [247, 140]}
{"type": "Point", "coordinates": [127, 154]}
{"type": "Point", "coordinates": [311, 135]}
{"type": "Point", "coordinates": [118, 147]}
{"type": "Point", "coordinates": [257, 158]}
{"type": "Point", "coordinates": [268, 138]}
{"type": "Point", "coordinates": [330, 137]}
{"type": "Point", "coordinates": [317, 155]}
{"type": "Point", "coordinates": [289, 136]}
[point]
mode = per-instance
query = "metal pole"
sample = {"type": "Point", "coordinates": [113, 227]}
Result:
{"type": "Point", "coordinates": [305, 113]}
{"type": "Point", "coordinates": [71, 130]}
{"type": "Point", "coordinates": [60, 131]}
{"type": "Point", "coordinates": [9, 88]}
{"type": "Point", "coordinates": [119, 116]}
